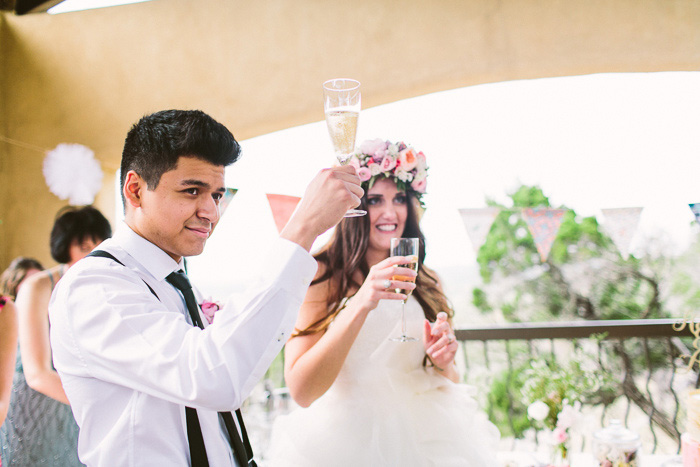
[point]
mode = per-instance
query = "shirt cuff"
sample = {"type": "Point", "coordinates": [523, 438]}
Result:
{"type": "Point", "coordinates": [298, 267]}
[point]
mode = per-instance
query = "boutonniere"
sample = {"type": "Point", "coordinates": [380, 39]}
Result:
{"type": "Point", "coordinates": [209, 308]}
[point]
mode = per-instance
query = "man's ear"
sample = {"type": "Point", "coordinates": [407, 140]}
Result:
{"type": "Point", "coordinates": [134, 186]}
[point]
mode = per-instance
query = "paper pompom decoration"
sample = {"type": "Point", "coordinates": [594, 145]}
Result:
{"type": "Point", "coordinates": [72, 173]}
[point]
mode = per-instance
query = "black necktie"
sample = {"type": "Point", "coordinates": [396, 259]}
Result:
{"type": "Point", "coordinates": [198, 452]}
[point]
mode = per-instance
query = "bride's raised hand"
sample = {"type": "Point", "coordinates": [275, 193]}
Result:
{"type": "Point", "coordinates": [439, 340]}
{"type": "Point", "coordinates": [379, 284]}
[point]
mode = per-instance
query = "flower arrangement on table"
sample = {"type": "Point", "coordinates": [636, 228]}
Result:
{"type": "Point", "coordinates": [377, 158]}
{"type": "Point", "coordinates": [554, 395]}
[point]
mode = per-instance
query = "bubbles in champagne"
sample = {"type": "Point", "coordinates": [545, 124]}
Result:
{"type": "Point", "coordinates": [342, 127]}
{"type": "Point", "coordinates": [412, 265]}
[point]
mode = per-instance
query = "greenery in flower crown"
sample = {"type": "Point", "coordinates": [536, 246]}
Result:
{"type": "Point", "coordinates": [376, 158]}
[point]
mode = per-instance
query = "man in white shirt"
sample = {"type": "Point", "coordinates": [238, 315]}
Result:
{"type": "Point", "coordinates": [123, 342]}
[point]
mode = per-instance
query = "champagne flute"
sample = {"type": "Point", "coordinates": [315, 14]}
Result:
{"type": "Point", "coordinates": [341, 103]}
{"type": "Point", "coordinates": [405, 247]}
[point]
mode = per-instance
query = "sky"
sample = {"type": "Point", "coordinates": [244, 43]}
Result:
{"type": "Point", "coordinates": [590, 142]}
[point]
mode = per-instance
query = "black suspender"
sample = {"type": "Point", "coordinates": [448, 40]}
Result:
{"type": "Point", "coordinates": [104, 254]}
{"type": "Point", "coordinates": [226, 416]}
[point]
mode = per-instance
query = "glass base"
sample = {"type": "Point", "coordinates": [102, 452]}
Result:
{"type": "Point", "coordinates": [355, 213]}
{"type": "Point", "coordinates": [403, 339]}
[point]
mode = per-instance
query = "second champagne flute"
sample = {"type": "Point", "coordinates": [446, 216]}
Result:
{"type": "Point", "coordinates": [341, 104]}
{"type": "Point", "coordinates": [405, 247]}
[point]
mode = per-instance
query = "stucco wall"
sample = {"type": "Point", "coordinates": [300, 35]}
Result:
{"type": "Point", "coordinates": [257, 67]}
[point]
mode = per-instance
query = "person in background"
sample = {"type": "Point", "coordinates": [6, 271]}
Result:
{"type": "Point", "coordinates": [8, 350]}
{"type": "Point", "coordinates": [40, 428]}
{"type": "Point", "coordinates": [366, 399]}
{"type": "Point", "coordinates": [13, 277]}
{"type": "Point", "coordinates": [10, 281]}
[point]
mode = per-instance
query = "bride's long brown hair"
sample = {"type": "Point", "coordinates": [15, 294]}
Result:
{"type": "Point", "coordinates": [344, 256]}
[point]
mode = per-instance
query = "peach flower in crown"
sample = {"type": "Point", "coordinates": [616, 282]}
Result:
{"type": "Point", "coordinates": [376, 158]}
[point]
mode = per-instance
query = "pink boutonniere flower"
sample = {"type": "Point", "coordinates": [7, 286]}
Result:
{"type": "Point", "coordinates": [209, 308]}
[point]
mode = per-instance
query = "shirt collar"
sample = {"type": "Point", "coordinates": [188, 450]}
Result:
{"type": "Point", "coordinates": [153, 259]}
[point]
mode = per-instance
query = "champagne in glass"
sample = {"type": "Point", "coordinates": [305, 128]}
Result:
{"type": "Point", "coordinates": [413, 264]}
{"type": "Point", "coordinates": [342, 127]}
{"type": "Point", "coordinates": [341, 103]}
{"type": "Point", "coordinates": [405, 247]}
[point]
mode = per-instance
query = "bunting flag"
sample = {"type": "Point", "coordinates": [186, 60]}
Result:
{"type": "Point", "coordinates": [543, 224]}
{"type": "Point", "coordinates": [282, 207]}
{"type": "Point", "coordinates": [226, 200]}
{"type": "Point", "coordinates": [621, 224]}
{"type": "Point", "coordinates": [695, 207]}
{"type": "Point", "coordinates": [478, 223]}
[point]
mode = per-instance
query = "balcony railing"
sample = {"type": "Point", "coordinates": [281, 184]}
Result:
{"type": "Point", "coordinates": [645, 356]}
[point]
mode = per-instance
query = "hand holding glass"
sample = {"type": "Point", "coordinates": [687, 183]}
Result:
{"type": "Point", "coordinates": [341, 103]}
{"type": "Point", "coordinates": [405, 247]}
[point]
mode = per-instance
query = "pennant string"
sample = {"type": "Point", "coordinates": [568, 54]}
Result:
{"type": "Point", "coordinates": [24, 145]}
{"type": "Point", "coordinates": [43, 151]}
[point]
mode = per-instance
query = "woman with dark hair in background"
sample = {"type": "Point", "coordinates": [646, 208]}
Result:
{"type": "Point", "coordinates": [40, 428]}
{"type": "Point", "coordinates": [368, 400]}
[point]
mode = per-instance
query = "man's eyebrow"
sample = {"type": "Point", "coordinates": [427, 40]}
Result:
{"type": "Point", "coordinates": [199, 183]}
{"type": "Point", "coordinates": [194, 182]}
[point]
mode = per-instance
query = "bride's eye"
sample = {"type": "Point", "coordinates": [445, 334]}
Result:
{"type": "Point", "coordinates": [373, 201]}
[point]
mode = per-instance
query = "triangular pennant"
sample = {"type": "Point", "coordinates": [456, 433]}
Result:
{"type": "Point", "coordinates": [226, 200]}
{"type": "Point", "coordinates": [621, 224]}
{"type": "Point", "coordinates": [282, 207]}
{"type": "Point", "coordinates": [478, 223]}
{"type": "Point", "coordinates": [695, 207]}
{"type": "Point", "coordinates": [543, 224]}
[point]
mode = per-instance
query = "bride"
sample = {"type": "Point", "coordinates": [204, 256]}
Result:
{"type": "Point", "coordinates": [366, 400]}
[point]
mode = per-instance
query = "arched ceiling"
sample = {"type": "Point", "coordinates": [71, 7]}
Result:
{"type": "Point", "coordinates": [258, 67]}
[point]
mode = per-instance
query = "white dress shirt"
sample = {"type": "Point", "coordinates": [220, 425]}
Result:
{"type": "Point", "coordinates": [129, 362]}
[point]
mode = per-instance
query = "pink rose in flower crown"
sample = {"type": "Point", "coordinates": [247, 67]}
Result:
{"type": "Point", "coordinates": [421, 160]}
{"type": "Point", "coordinates": [374, 147]}
{"type": "Point", "coordinates": [388, 163]}
{"type": "Point", "coordinates": [379, 156]}
{"type": "Point", "coordinates": [209, 308]}
{"type": "Point", "coordinates": [420, 185]}
{"type": "Point", "coordinates": [408, 159]}
{"type": "Point", "coordinates": [364, 173]}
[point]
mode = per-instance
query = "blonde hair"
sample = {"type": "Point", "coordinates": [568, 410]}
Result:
{"type": "Point", "coordinates": [13, 276]}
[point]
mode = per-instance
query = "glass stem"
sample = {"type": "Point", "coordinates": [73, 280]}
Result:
{"type": "Point", "coordinates": [403, 318]}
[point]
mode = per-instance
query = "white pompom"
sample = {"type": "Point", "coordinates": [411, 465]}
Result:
{"type": "Point", "coordinates": [72, 172]}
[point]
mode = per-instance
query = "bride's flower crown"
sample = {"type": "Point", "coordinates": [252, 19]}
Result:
{"type": "Point", "coordinates": [376, 158]}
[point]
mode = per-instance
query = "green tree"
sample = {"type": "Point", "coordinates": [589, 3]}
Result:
{"type": "Point", "coordinates": [584, 277]}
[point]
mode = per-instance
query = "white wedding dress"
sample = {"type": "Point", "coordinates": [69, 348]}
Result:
{"type": "Point", "coordinates": [386, 409]}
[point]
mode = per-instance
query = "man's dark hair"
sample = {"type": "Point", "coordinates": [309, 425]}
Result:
{"type": "Point", "coordinates": [76, 224]}
{"type": "Point", "coordinates": [156, 142]}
